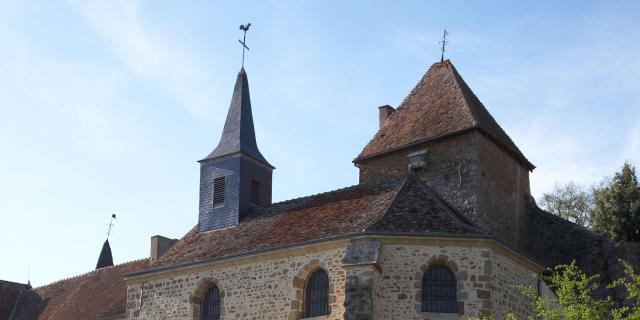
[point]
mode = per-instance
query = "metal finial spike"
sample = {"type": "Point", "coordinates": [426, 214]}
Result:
{"type": "Point", "coordinates": [244, 28]}
{"type": "Point", "coordinates": [444, 43]}
{"type": "Point", "coordinates": [113, 216]}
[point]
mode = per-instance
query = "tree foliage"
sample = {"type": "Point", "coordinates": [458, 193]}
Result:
{"type": "Point", "coordinates": [611, 207]}
{"type": "Point", "coordinates": [617, 206]}
{"type": "Point", "coordinates": [570, 201]}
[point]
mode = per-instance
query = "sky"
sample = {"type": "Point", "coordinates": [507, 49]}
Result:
{"type": "Point", "coordinates": [105, 106]}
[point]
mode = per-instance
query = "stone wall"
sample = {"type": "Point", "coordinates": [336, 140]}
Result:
{"type": "Point", "coordinates": [485, 278]}
{"type": "Point", "coordinates": [272, 287]}
{"type": "Point", "coordinates": [502, 192]}
{"type": "Point", "coordinates": [472, 173]}
{"type": "Point", "coordinates": [452, 169]}
{"type": "Point", "coordinates": [359, 292]}
{"type": "Point", "coordinates": [260, 290]}
{"type": "Point", "coordinates": [505, 296]}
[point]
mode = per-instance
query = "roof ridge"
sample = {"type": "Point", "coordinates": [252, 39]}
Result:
{"type": "Point", "coordinates": [302, 198]}
{"type": "Point", "coordinates": [460, 85]}
{"type": "Point", "coordinates": [13, 282]}
{"type": "Point", "coordinates": [399, 189]}
{"type": "Point", "coordinates": [89, 272]}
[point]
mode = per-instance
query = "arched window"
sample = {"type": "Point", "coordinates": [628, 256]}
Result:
{"type": "Point", "coordinates": [439, 290]}
{"type": "Point", "coordinates": [211, 304]}
{"type": "Point", "coordinates": [316, 294]}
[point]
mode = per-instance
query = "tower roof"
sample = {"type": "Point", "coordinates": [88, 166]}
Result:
{"type": "Point", "coordinates": [441, 104]}
{"type": "Point", "coordinates": [105, 259]}
{"type": "Point", "coordinates": [238, 134]}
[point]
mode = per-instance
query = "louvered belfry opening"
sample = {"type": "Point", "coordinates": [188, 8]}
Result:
{"type": "Point", "coordinates": [316, 294]}
{"type": "Point", "coordinates": [218, 190]}
{"type": "Point", "coordinates": [254, 195]}
{"type": "Point", "coordinates": [211, 304]}
{"type": "Point", "coordinates": [439, 290]}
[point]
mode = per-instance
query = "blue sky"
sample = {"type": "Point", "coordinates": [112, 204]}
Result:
{"type": "Point", "coordinates": [106, 105]}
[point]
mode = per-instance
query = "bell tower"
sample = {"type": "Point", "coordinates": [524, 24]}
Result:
{"type": "Point", "coordinates": [234, 177]}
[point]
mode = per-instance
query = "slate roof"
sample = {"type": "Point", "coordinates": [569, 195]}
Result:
{"type": "Point", "coordinates": [441, 104]}
{"type": "Point", "coordinates": [238, 134]}
{"type": "Point", "coordinates": [9, 292]}
{"type": "Point", "coordinates": [105, 259]}
{"type": "Point", "coordinates": [98, 294]}
{"type": "Point", "coordinates": [27, 306]}
{"type": "Point", "coordinates": [402, 206]}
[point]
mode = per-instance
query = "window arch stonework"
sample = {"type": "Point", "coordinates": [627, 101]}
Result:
{"type": "Point", "coordinates": [440, 260]}
{"type": "Point", "coordinates": [299, 281]}
{"type": "Point", "coordinates": [316, 294]}
{"type": "Point", "coordinates": [198, 296]}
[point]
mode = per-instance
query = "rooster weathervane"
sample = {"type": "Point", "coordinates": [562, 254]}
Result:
{"type": "Point", "coordinates": [245, 28]}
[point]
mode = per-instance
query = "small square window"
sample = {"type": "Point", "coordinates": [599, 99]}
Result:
{"type": "Point", "coordinates": [255, 193]}
{"type": "Point", "coordinates": [218, 190]}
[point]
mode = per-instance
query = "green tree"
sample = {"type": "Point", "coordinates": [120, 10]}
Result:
{"type": "Point", "coordinates": [617, 206]}
{"type": "Point", "coordinates": [570, 201]}
{"type": "Point", "coordinates": [575, 299]}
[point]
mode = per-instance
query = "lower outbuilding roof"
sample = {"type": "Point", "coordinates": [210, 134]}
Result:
{"type": "Point", "coordinates": [95, 295]}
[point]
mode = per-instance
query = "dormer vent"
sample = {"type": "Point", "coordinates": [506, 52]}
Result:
{"type": "Point", "coordinates": [417, 160]}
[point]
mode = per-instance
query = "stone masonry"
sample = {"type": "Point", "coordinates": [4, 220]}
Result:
{"type": "Point", "coordinates": [271, 286]}
{"type": "Point", "coordinates": [472, 173]}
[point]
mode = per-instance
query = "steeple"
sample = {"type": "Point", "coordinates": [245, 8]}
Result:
{"type": "Point", "coordinates": [238, 134]}
{"type": "Point", "coordinates": [105, 259]}
{"type": "Point", "coordinates": [234, 177]}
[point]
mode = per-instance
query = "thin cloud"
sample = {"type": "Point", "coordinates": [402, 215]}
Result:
{"type": "Point", "coordinates": [149, 54]}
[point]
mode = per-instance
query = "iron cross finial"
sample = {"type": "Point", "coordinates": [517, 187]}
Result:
{"type": "Point", "coordinates": [245, 28]}
{"type": "Point", "coordinates": [444, 43]}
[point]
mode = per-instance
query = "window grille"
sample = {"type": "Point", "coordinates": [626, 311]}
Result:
{"type": "Point", "coordinates": [218, 190]}
{"type": "Point", "coordinates": [255, 192]}
{"type": "Point", "coordinates": [439, 290]}
{"type": "Point", "coordinates": [211, 304]}
{"type": "Point", "coordinates": [316, 294]}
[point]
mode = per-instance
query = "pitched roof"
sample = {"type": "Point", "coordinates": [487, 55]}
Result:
{"type": "Point", "coordinates": [9, 292]}
{"type": "Point", "coordinates": [94, 295]}
{"type": "Point", "coordinates": [105, 259]}
{"type": "Point", "coordinates": [441, 104]}
{"type": "Point", "coordinates": [27, 306]}
{"type": "Point", "coordinates": [395, 206]}
{"type": "Point", "coordinates": [238, 134]}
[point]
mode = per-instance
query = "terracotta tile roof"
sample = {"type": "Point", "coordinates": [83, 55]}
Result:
{"type": "Point", "coordinates": [94, 295]}
{"type": "Point", "coordinates": [441, 104]}
{"type": "Point", "coordinates": [395, 206]}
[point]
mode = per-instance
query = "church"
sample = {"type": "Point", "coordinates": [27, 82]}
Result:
{"type": "Point", "coordinates": [441, 225]}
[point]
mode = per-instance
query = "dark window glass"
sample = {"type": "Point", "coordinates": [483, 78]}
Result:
{"type": "Point", "coordinates": [255, 192]}
{"type": "Point", "coordinates": [211, 304]}
{"type": "Point", "coordinates": [218, 190]}
{"type": "Point", "coordinates": [439, 290]}
{"type": "Point", "coordinates": [316, 294]}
